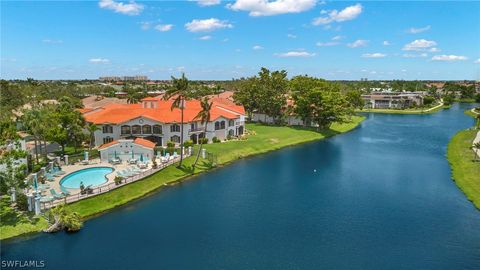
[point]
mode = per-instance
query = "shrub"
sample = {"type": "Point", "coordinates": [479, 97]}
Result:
{"type": "Point", "coordinates": [170, 149]}
{"type": "Point", "coordinates": [428, 100]}
{"type": "Point", "coordinates": [215, 140]}
{"type": "Point", "coordinates": [22, 202]}
{"type": "Point", "coordinates": [229, 137]}
{"type": "Point", "coordinates": [170, 144]}
{"type": "Point", "coordinates": [203, 140]}
{"type": "Point", "coordinates": [118, 180]}
{"type": "Point", "coordinates": [154, 163]}
{"type": "Point", "coordinates": [188, 143]}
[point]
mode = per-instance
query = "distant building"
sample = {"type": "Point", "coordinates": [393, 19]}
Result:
{"type": "Point", "coordinates": [135, 78]}
{"type": "Point", "coordinates": [110, 79]}
{"type": "Point", "coordinates": [124, 78]}
{"type": "Point", "coordinates": [393, 100]}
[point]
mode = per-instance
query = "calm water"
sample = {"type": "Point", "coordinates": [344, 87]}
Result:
{"type": "Point", "coordinates": [381, 198]}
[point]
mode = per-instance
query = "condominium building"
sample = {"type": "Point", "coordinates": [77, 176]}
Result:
{"type": "Point", "coordinates": [154, 120]}
{"type": "Point", "coordinates": [393, 100]}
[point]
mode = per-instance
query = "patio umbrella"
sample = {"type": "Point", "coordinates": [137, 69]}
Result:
{"type": "Point", "coordinates": [85, 155]}
{"type": "Point", "coordinates": [141, 157]}
{"type": "Point", "coordinates": [115, 154]}
{"type": "Point", "coordinates": [133, 155]}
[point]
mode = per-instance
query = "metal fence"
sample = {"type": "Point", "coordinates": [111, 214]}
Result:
{"type": "Point", "coordinates": [110, 186]}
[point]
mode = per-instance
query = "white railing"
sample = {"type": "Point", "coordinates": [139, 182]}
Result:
{"type": "Point", "coordinates": [109, 186]}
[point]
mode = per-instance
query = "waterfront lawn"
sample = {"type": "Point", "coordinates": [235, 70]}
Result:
{"type": "Point", "coordinates": [266, 138]}
{"type": "Point", "coordinates": [13, 223]}
{"type": "Point", "coordinates": [406, 111]}
{"type": "Point", "coordinates": [465, 170]}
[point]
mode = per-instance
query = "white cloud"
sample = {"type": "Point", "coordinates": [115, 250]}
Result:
{"type": "Point", "coordinates": [418, 30]}
{"type": "Point", "coordinates": [295, 54]}
{"type": "Point", "coordinates": [99, 61]}
{"type": "Point", "coordinates": [386, 43]}
{"type": "Point", "coordinates": [327, 44]}
{"type": "Point", "coordinates": [131, 8]}
{"type": "Point", "coordinates": [451, 57]}
{"type": "Point", "coordinates": [373, 55]}
{"type": "Point", "coordinates": [291, 36]}
{"type": "Point", "coordinates": [358, 43]}
{"type": "Point", "coordinates": [52, 41]}
{"type": "Point", "coordinates": [337, 37]}
{"type": "Point", "coordinates": [206, 3]}
{"type": "Point", "coordinates": [346, 14]}
{"type": "Point", "coordinates": [269, 8]}
{"type": "Point", "coordinates": [207, 25]}
{"type": "Point", "coordinates": [477, 61]}
{"type": "Point", "coordinates": [205, 37]}
{"type": "Point", "coordinates": [413, 55]}
{"type": "Point", "coordinates": [420, 45]}
{"type": "Point", "coordinates": [164, 27]}
{"type": "Point", "coordinates": [257, 47]}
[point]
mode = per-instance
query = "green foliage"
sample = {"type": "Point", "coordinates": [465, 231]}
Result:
{"type": "Point", "coordinates": [170, 150]}
{"type": "Point", "coordinates": [170, 144]}
{"type": "Point", "coordinates": [68, 219]}
{"type": "Point", "coordinates": [215, 140]}
{"type": "Point", "coordinates": [117, 180]}
{"type": "Point", "coordinates": [188, 143]}
{"type": "Point", "coordinates": [323, 106]}
{"type": "Point", "coordinates": [354, 97]}
{"type": "Point", "coordinates": [428, 100]}
{"type": "Point", "coordinates": [448, 99]}
{"type": "Point", "coordinates": [203, 140]}
{"type": "Point", "coordinates": [22, 201]}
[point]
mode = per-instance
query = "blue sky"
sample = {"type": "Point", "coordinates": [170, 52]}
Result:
{"type": "Point", "coordinates": [210, 39]}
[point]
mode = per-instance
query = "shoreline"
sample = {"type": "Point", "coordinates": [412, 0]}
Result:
{"type": "Point", "coordinates": [464, 168]}
{"type": "Point", "coordinates": [277, 137]}
{"type": "Point", "coordinates": [392, 111]}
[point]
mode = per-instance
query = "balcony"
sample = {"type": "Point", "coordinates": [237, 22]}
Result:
{"type": "Point", "coordinates": [196, 130]}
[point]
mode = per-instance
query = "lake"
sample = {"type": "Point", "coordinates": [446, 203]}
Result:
{"type": "Point", "coordinates": [379, 197]}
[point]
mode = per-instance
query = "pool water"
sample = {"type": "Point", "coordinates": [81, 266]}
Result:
{"type": "Point", "coordinates": [90, 177]}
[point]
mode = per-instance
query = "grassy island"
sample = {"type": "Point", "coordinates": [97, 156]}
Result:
{"type": "Point", "coordinates": [261, 140]}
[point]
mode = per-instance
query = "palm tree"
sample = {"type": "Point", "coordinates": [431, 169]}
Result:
{"type": "Point", "coordinates": [204, 116]}
{"type": "Point", "coordinates": [475, 147]}
{"type": "Point", "coordinates": [91, 128]}
{"type": "Point", "coordinates": [179, 91]}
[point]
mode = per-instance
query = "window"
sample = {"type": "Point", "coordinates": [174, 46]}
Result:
{"type": "Point", "coordinates": [231, 123]}
{"type": "Point", "coordinates": [175, 139]}
{"type": "Point", "coordinates": [125, 129]}
{"type": "Point", "coordinates": [174, 128]}
{"type": "Point", "coordinates": [147, 129]}
{"type": "Point", "coordinates": [217, 125]}
{"type": "Point", "coordinates": [107, 129]}
{"type": "Point", "coordinates": [107, 139]}
{"type": "Point", "coordinates": [157, 129]}
{"type": "Point", "coordinates": [222, 125]}
{"type": "Point", "coordinates": [136, 129]}
{"type": "Point", "coordinates": [231, 132]}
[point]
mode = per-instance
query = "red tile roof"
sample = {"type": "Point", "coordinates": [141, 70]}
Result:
{"type": "Point", "coordinates": [139, 141]}
{"type": "Point", "coordinates": [120, 113]}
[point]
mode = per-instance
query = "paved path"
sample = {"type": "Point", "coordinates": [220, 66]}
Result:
{"type": "Point", "coordinates": [476, 140]}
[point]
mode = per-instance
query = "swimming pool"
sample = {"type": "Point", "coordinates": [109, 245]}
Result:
{"type": "Point", "coordinates": [90, 177]}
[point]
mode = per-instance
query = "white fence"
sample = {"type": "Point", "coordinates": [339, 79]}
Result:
{"type": "Point", "coordinates": [110, 186]}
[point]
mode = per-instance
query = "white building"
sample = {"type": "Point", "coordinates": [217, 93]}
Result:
{"type": "Point", "coordinates": [127, 149]}
{"type": "Point", "coordinates": [154, 120]}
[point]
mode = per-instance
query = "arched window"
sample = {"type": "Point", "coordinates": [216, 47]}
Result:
{"type": "Point", "coordinates": [217, 125]}
{"type": "Point", "coordinates": [147, 129]}
{"type": "Point", "coordinates": [125, 130]}
{"type": "Point", "coordinates": [231, 132]}
{"type": "Point", "coordinates": [222, 125]}
{"type": "Point", "coordinates": [175, 128]}
{"type": "Point", "coordinates": [107, 129]}
{"type": "Point", "coordinates": [136, 129]}
{"type": "Point", "coordinates": [231, 123]}
{"type": "Point", "coordinates": [157, 129]}
{"type": "Point", "coordinates": [175, 139]}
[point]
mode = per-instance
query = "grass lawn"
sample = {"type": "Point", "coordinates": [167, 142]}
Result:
{"type": "Point", "coordinates": [13, 223]}
{"type": "Point", "coordinates": [405, 111]}
{"type": "Point", "coordinates": [264, 139]}
{"type": "Point", "coordinates": [465, 170]}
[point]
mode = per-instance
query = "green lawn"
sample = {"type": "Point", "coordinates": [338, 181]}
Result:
{"type": "Point", "coordinates": [465, 170]}
{"type": "Point", "coordinates": [13, 223]}
{"type": "Point", "coordinates": [263, 139]}
{"type": "Point", "coordinates": [405, 111]}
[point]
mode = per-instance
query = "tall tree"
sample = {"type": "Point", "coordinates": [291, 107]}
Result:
{"type": "Point", "coordinates": [91, 128]}
{"type": "Point", "coordinates": [179, 92]}
{"type": "Point", "coordinates": [204, 116]}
